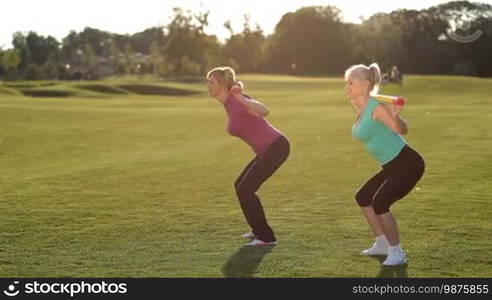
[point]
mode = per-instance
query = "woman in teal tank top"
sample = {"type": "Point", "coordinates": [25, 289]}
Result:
{"type": "Point", "coordinates": [380, 127]}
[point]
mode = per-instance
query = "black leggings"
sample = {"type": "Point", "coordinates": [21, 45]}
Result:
{"type": "Point", "coordinates": [250, 180]}
{"type": "Point", "coordinates": [393, 182]}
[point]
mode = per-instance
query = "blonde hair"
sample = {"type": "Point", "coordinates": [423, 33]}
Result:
{"type": "Point", "coordinates": [371, 73]}
{"type": "Point", "coordinates": [225, 75]}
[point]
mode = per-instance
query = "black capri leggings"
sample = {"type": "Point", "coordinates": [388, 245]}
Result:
{"type": "Point", "coordinates": [249, 181]}
{"type": "Point", "coordinates": [393, 182]}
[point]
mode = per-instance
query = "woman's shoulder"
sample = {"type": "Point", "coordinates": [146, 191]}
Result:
{"type": "Point", "coordinates": [376, 105]}
{"type": "Point", "coordinates": [373, 101]}
{"type": "Point", "coordinates": [372, 104]}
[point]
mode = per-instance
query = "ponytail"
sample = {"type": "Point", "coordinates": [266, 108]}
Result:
{"type": "Point", "coordinates": [240, 83]}
{"type": "Point", "coordinates": [375, 79]}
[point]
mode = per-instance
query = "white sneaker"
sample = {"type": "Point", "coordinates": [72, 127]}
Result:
{"type": "Point", "coordinates": [259, 243]}
{"type": "Point", "coordinates": [395, 258]}
{"type": "Point", "coordinates": [375, 250]}
{"type": "Point", "coordinates": [250, 235]}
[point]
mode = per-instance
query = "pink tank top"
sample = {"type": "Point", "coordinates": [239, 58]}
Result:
{"type": "Point", "coordinates": [252, 129]}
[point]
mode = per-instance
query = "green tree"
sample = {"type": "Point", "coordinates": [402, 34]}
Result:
{"type": "Point", "coordinates": [188, 67]}
{"type": "Point", "coordinates": [156, 57]}
{"type": "Point", "coordinates": [10, 62]}
{"type": "Point", "coordinates": [245, 48]}
{"type": "Point", "coordinates": [34, 72]}
{"type": "Point", "coordinates": [90, 62]}
{"type": "Point", "coordinates": [53, 68]}
{"type": "Point", "coordinates": [312, 38]}
{"type": "Point", "coordinates": [129, 59]}
{"type": "Point", "coordinates": [20, 44]}
{"type": "Point", "coordinates": [41, 48]}
{"type": "Point", "coordinates": [73, 45]}
{"type": "Point", "coordinates": [187, 45]}
{"type": "Point", "coordinates": [89, 58]}
{"type": "Point", "coordinates": [114, 55]}
{"type": "Point", "coordinates": [2, 71]}
{"type": "Point", "coordinates": [142, 41]}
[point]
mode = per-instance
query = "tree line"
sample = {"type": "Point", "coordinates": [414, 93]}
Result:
{"type": "Point", "coordinates": [451, 38]}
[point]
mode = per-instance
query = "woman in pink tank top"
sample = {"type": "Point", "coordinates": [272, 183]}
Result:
{"type": "Point", "coordinates": [246, 121]}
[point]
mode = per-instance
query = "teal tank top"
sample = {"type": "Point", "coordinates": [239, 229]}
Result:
{"type": "Point", "coordinates": [379, 139]}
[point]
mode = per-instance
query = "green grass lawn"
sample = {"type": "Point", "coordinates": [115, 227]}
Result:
{"type": "Point", "coordinates": [100, 179]}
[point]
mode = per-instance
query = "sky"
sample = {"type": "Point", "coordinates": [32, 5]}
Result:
{"type": "Point", "coordinates": [58, 17]}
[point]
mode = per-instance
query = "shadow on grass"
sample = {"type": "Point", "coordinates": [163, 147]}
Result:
{"type": "Point", "coordinates": [47, 93]}
{"type": "Point", "coordinates": [391, 272]}
{"type": "Point", "coordinates": [245, 261]}
{"type": "Point", "coordinates": [144, 89]}
{"type": "Point", "coordinates": [186, 79]}
{"type": "Point", "coordinates": [100, 88]}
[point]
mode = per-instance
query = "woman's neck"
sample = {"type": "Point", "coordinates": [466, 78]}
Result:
{"type": "Point", "coordinates": [222, 96]}
{"type": "Point", "coordinates": [361, 102]}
